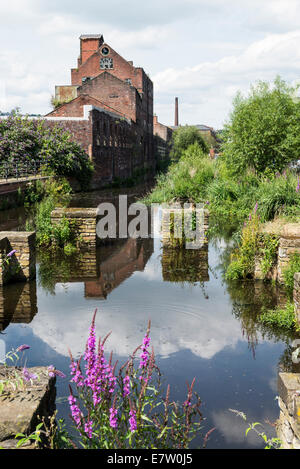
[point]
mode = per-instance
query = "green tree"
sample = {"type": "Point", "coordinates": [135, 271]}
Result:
{"type": "Point", "coordinates": [263, 132]}
{"type": "Point", "coordinates": [183, 137]}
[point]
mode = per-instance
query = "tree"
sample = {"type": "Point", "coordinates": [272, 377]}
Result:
{"type": "Point", "coordinates": [182, 138]}
{"type": "Point", "coordinates": [263, 132]}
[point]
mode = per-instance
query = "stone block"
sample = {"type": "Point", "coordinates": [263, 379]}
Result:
{"type": "Point", "coordinates": [21, 409]}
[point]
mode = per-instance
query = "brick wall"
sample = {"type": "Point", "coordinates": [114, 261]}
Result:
{"type": "Point", "coordinates": [116, 146]}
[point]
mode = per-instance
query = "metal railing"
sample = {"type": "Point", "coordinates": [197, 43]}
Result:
{"type": "Point", "coordinates": [18, 168]}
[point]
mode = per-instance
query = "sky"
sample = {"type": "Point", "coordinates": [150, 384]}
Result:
{"type": "Point", "coordinates": [201, 51]}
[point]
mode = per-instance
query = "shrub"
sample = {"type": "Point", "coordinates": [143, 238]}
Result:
{"type": "Point", "coordinates": [263, 130]}
{"type": "Point", "coordinates": [182, 138]}
{"type": "Point", "coordinates": [30, 140]}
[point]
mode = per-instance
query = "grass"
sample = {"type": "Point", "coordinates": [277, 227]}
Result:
{"type": "Point", "coordinates": [283, 318]}
{"type": "Point", "coordinates": [197, 178]}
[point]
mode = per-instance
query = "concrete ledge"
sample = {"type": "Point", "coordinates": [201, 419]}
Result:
{"type": "Point", "coordinates": [20, 410]}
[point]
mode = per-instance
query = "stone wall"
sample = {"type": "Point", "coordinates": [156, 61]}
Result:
{"type": "Point", "coordinates": [21, 266]}
{"type": "Point", "coordinates": [83, 224]}
{"type": "Point", "coordinates": [288, 425]}
{"type": "Point", "coordinates": [297, 296]}
{"type": "Point", "coordinates": [22, 408]}
{"type": "Point", "coordinates": [289, 244]}
{"type": "Point", "coordinates": [174, 221]}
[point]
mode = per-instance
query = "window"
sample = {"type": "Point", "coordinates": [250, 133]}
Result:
{"type": "Point", "coordinates": [128, 80]}
{"type": "Point", "coordinates": [106, 63]}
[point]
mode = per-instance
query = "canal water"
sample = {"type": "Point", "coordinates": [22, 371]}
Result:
{"type": "Point", "coordinates": [202, 326]}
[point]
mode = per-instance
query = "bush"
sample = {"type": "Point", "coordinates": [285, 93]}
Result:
{"type": "Point", "coordinates": [263, 132]}
{"type": "Point", "coordinates": [182, 138]}
{"type": "Point", "coordinates": [26, 140]}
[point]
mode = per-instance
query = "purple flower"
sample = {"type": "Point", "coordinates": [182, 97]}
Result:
{"type": "Point", "coordinates": [53, 372]}
{"type": "Point", "coordinates": [127, 386]}
{"type": "Point", "coordinates": [298, 185]}
{"type": "Point", "coordinates": [113, 420]}
{"type": "Point", "coordinates": [78, 379]}
{"type": "Point", "coordinates": [256, 207]}
{"type": "Point", "coordinates": [132, 421]}
{"type": "Point", "coordinates": [75, 411]}
{"type": "Point", "coordinates": [88, 428]}
{"type": "Point", "coordinates": [11, 253]}
{"type": "Point", "coordinates": [145, 354]}
{"type": "Point", "coordinates": [21, 348]}
{"type": "Point", "coordinates": [28, 376]}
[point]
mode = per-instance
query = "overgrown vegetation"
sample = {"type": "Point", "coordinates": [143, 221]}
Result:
{"type": "Point", "coordinates": [183, 138]}
{"type": "Point", "coordinates": [263, 129]}
{"type": "Point", "coordinates": [124, 408]}
{"type": "Point", "coordinates": [290, 271]}
{"type": "Point", "coordinates": [57, 194]}
{"type": "Point", "coordinates": [251, 182]}
{"type": "Point", "coordinates": [52, 149]}
{"type": "Point", "coordinates": [284, 318]}
{"type": "Point", "coordinates": [259, 141]}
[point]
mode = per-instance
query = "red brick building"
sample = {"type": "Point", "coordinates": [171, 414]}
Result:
{"type": "Point", "coordinates": [109, 109]}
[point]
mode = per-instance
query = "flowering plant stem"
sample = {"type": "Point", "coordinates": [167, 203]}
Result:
{"type": "Point", "coordinates": [126, 409]}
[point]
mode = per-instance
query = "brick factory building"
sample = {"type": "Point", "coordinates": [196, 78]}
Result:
{"type": "Point", "coordinates": [109, 109]}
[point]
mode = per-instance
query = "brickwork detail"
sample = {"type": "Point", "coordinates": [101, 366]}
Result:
{"type": "Point", "coordinates": [21, 266]}
{"type": "Point", "coordinates": [83, 223]}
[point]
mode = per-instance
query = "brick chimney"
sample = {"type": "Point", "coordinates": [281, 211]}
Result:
{"type": "Point", "coordinates": [176, 113]}
{"type": "Point", "coordinates": [89, 44]}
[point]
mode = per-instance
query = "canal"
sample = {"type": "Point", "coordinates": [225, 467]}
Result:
{"type": "Point", "coordinates": [202, 326]}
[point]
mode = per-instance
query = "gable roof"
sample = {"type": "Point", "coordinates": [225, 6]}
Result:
{"type": "Point", "coordinates": [86, 99]}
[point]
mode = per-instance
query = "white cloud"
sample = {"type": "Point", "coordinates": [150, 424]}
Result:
{"type": "Point", "coordinates": [217, 82]}
{"type": "Point", "coordinates": [202, 52]}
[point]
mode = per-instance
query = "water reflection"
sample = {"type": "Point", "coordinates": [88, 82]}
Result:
{"type": "Point", "coordinates": [201, 326]}
{"type": "Point", "coordinates": [185, 265]}
{"type": "Point", "coordinates": [18, 304]}
{"type": "Point", "coordinates": [101, 270]}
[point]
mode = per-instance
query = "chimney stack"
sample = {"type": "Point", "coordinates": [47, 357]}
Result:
{"type": "Point", "coordinates": [176, 113]}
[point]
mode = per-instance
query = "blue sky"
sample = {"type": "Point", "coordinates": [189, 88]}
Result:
{"type": "Point", "coordinates": [203, 52]}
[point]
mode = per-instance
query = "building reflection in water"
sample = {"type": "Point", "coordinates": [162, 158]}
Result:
{"type": "Point", "coordinates": [118, 262]}
{"type": "Point", "coordinates": [101, 270]}
{"type": "Point", "coordinates": [18, 304]}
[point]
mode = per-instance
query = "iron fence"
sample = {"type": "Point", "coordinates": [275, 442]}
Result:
{"type": "Point", "coordinates": [18, 168]}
